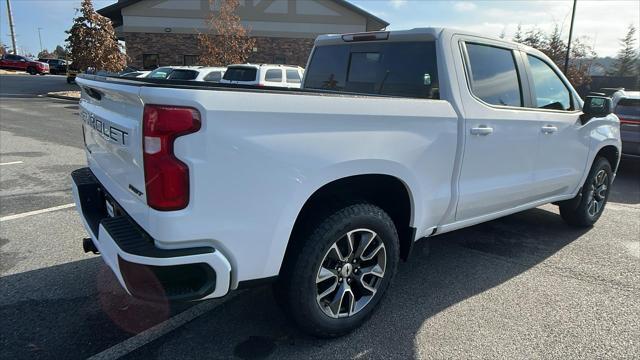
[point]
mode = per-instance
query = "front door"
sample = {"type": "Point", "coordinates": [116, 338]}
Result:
{"type": "Point", "coordinates": [562, 157]}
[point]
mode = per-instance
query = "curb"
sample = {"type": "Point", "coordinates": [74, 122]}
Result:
{"type": "Point", "coordinates": [62, 97]}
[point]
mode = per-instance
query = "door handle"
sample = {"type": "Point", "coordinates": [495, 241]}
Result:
{"type": "Point", "coordinates": [482, 130]}
{"type": "Point", "coordinates": [549, 129]}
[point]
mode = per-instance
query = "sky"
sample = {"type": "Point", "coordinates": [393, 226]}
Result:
{"type": "Point", "coordinates": [601, 23]}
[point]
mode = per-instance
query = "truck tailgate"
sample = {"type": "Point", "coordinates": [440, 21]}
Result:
{"type": "Point", "coordinates": [112, 116]}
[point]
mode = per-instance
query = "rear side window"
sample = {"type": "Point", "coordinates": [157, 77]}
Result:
{"type": "Point", "coordinates": [550, 91]}
{"type": "Point", "coordinates": [273, 75]}
{"type": "Point", "coordinates": [493, 75]}
{"type": "Point", "coordinates": [293, 77]}
{"type": "Point", "coordinates": [240, 74]}
{"type": "Point", "coordinates": [407, 69]}
{"type": "Point", "coordinates": [179, 74]}
{"type": "Point", "coordinates": [213, 76]}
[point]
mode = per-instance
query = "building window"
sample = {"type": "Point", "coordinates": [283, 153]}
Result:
{"type": "Point", "coordinates": [190, 60]}
{"type": "Point", "coordinates": [150, 61]}
{"type": "Point", "coordinates": [279, 59]}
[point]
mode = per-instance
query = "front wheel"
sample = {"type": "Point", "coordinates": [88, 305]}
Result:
{"type": "Point", "coordinates": [339, 271]}
{"type": "Point", "coordinates": [587, 207]}
{"type": "Point", "coordinates": [32, 71]}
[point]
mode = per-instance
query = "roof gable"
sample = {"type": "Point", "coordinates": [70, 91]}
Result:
{"type": "Point", "coordinates": [114, 11]}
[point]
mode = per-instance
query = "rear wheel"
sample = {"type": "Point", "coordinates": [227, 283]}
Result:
{"type": "Point", "coordinates": [587, 207]}
{"type": "Point", "coordinates": [339, 272]}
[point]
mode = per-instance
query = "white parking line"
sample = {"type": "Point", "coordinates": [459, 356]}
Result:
{"type": "Point", "coordinates": [35, 212]}
{"type": "Point", "coordinates": [11, 163]}
{"type": "Point", "coordinates": [165, 327]}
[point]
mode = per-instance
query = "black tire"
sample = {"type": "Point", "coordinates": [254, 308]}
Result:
{"type": "Point", "coordinates": [296, 289]}
{"type": "Point", "coordinates": [580, 211]}
{"type": "Point", "coordinates": [32, 71]}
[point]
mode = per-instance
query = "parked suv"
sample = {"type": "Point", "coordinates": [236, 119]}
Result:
{"type": "Point", "coordinates": [626, 104]}
{"type": "Point", "coordinates": [56, 66]}
{"type": "Point", "coordinates": [22, 63]}
{"type": "Point", "coordinates": [264, 75]}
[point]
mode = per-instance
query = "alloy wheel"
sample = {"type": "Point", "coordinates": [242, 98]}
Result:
{"type": "Point", "coordinates": [351, 273]}
{"type": "Point", "coordinates": [598, 193]}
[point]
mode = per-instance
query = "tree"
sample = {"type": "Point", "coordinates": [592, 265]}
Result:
{"type": "Point", "coordinates": [626, 63]}
{"type": "Point", "coordinates": [227, 41]}
{"type": "Point", "coordinates": [518, 37]}
{"type": "Point", "coordinates": [60, 52]}
{"type": "Point", "coordinates": [92, 42]}
{"type": "Point", "coordinates": [44, 54]}
{"type": "Point", "coordinates": [3, 49]}
{"type": "Point", "coordinates": [555, 48]}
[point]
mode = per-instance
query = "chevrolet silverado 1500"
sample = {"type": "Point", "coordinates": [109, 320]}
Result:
{"type": "Point", "coordinates": [194, 190]}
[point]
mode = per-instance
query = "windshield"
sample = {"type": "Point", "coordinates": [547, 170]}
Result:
{"type": "Point", "coordinates": [160, 73]}
{"type": "Point", "coordinates": [240, 74]}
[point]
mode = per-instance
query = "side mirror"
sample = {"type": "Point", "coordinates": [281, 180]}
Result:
{"type": "Point", "coordinates": [595, 107]}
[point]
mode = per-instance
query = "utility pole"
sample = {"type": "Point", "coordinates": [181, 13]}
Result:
{"type": "Point", "coordinates": [566, 59]}
{"type": "Point", "coordinates": [13, 32]}
{"type": "Point", "coordinates": [40, 38]}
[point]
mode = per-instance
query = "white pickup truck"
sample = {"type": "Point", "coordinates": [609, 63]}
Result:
{"type": "Point", "coordinates": [194, 190]}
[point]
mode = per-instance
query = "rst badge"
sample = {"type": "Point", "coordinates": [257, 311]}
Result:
{"type": "Point", "coordinates": [105, 128]}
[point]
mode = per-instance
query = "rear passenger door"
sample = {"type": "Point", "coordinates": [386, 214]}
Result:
{"type": "Point", "coordinates": [563, 151]}
{"type": "Point", "coordinates": [500, 134]}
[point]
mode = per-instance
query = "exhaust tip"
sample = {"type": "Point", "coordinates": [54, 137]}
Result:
{"type": "Point", "coordinates": [88, 246]}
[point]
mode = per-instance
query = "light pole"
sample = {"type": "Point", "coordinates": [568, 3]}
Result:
{"type": "Point", "coordinates": [566, 59]}
{"type": "Point", "coordinates": [40, 38]}
{"type": "Point", "coordinates": [13, 33]}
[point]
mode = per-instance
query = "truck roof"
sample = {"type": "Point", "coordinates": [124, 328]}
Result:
{"type": "Point", "coordinates": [417, 34]}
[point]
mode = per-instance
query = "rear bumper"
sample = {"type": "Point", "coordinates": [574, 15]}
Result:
{"type": "Point", "coordinates": [144, 270]}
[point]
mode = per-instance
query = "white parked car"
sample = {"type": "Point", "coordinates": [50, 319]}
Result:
{"type": "Point", "coordinates": [264, 75]}
{"type": "Point", "coordinates": [192, 192]}
{"type": "Point", "coordinates": [194, 73]}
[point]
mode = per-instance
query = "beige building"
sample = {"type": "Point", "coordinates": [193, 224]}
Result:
{"type": "Point", "coordinates": [164, 32]}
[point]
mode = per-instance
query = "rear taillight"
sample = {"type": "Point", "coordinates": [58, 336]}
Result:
{"type": "Point", "coordinates": [166, 177]}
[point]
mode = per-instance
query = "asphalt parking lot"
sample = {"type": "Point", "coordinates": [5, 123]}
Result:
{"type": "Point", "coordinates": [525, 286]}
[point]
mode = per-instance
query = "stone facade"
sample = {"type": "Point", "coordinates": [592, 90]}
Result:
{"type": "Point", "coordinates": [172, 48]}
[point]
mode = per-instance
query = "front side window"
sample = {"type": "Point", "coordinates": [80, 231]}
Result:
{"type": "Point", "coordinates": [493, 75]}
{"type": "Point", "coordinates": [407, 69]}
{"type": "Point", "coordinates": [550, 91]}
{"type": "Point", "coordinates": [293, 77]}
{"type": "Point", "coordinates": [181, 74]}
{"type": "Point", "coordinates": [273, 75]}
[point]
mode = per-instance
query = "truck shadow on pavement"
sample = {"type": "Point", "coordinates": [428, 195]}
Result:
{"type": "Point", "coordinates": [461, 264]}
{"type": "Point", "coordinates": [77, 309]}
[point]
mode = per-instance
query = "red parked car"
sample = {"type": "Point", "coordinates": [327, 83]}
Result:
{"type": "Point", "coordinates": [17, 62]}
